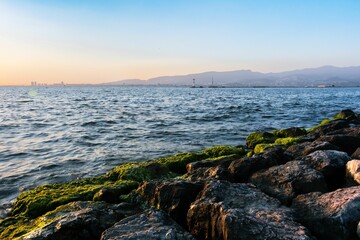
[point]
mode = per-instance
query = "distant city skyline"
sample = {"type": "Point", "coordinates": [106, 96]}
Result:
{"type": "Point", "coordinates": [78, 41]}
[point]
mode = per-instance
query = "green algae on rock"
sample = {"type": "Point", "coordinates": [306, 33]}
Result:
{"type": "Point", "coordinates": [287, 141]}
{"type": "Point", "coordinates": [32, 204]}
{"type": "Point", "coordinates": [343, 115]}
{"type": "Point", "coordinates": [255, 138]}
{"type": "Point", "coordinates": [35, 202]}
{"type": "Point", "coordinates": [289, 132]}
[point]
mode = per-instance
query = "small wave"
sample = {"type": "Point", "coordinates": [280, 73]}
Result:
{"type": "Point", "coordinates": [98, 123]}
{"type": "Point", "coordinates": [24, 100]}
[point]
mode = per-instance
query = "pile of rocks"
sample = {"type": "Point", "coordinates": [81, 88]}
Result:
{"type": "Point", "coordinates": [309, 190]}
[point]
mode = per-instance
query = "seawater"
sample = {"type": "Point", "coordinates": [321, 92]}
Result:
{"type": "Point", "coordinates": [58, 134]}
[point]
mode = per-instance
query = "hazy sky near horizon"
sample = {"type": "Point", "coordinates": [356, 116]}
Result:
{"type": "Point", "coordinates": [88, 41]}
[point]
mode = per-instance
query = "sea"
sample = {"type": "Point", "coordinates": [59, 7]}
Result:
{"type": "Point", "coordinates": [62, 133]}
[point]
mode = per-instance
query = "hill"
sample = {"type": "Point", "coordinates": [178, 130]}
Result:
{"type": "Point", "coordinates": [311, 77]}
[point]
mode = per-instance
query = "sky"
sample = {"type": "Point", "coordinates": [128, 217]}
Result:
{"type": "Point", "coordinates": [88, 41]}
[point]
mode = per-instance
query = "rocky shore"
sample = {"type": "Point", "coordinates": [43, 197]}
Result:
{"type": "Point", "coordinates": [286, 184]}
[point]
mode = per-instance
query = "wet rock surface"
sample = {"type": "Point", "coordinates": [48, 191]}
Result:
{"type": "Point", "coordinates": [301, 184]}
{"type": "Point", "coordinates": [226, 210]}
{"type": "Point", "coordinates": [333, 215]}
{"type": "Point", "coordinates": [241, 169]}
{"type": "Point", "coordinates": [152, 225]}
{"type": "Point", "coordinates": [174, 197]}
{"type": "Point", "coordinates": [331, 164]}
{"type": "Point", "coordinates": [80, 220]}
{"type": "Point", "coordinates": [286, 181]}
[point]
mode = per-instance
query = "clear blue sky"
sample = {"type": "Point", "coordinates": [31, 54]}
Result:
{"type": "Point", "coordinates": [78, 41]}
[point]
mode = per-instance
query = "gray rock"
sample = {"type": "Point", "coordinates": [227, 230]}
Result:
{"type": "Point", "coordinates": [346, 143]}
{"type": "Point", "coordinates": [329, 127]}
{"type": "Point", "coordinates": [225, 210]}
{"type": "Point", "coordinates": [331, 164]}
{"type": "Point", "coordinates": [152, 225]}
{"type": "Point", "coordinates": [297, 150]}
{"type": "Point", "coordinates": [80, 220]}
{"type": "Point", "coordinates": [172, 196]}
{"type": "Point", "coordinates": [330, 216]}
{"type": "Point", "coordinates": [286, 181]}
{"type": "Point", "coordinates": [315, 146]}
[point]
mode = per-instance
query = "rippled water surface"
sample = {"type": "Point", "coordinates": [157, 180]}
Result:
{"type": "Point", "coordinates": [57, 134]}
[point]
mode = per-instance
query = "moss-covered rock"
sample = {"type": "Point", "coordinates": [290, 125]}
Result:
{"type": "Point", "coordinates": [255, 138]}
{"type": "Point", "coordinates": [125, 177]}
{"type": "Point", "coordinates": [288, 141]}
{"type": "Point", "coordinates": [221, 151]}
{"type": "Point", "coordinates": [259, 148]}
{"type": "Point", "coordinates": [42, 199]}
{"type": "Point", "coordinates": [178, 162]}
{"type": "Point", "coordinates": [343, 115]}
{"type": "Point", "coordinates": [346, 114]}
{"type": "Point", "coordinates": [289, 132]}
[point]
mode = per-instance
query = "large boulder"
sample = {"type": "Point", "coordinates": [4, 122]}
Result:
{"type": "Point", "coordinates": [297, 150]}
{"type": "Point", "coordinates": [330, 216]}
{"type": "Point", "coordinates": [350, 131]}
{"type": "Point", "coordinates": [331, 164]}
{"type": "Point", "coordinates": [346, 143]}
{"type": "Point", "coordinates": [316, 146]}
{"type": "Point", "coordinates": [173, 196]}
{"type": "Point", "coordinates": [286, 181]}
{"type": "Point", "coordinates": [80, 220]}
{"type": "Point", "coordinates": [353, 172]}
{"type": "Point", "coordinates": [225, 210]}
{"type": "Point", "coordinates": [329, 127]}
{"type": "Point", "coordinates": [241, 169]}
{"type": "Point", "coordinates": [152, 225]}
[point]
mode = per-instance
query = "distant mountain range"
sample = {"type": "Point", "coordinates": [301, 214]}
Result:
{"type": "Point", "coordinates": [309, 77]}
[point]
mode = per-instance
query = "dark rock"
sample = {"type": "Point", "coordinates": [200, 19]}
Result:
{"type": "Point", "coordinates": [112, 194]}
{"type": "Point", "coordinates": [227, 210]}
{"type": "Point", "coordinates": [331, 164]}
{"type": "Point", "coordinates": [173, 196]}
{"type": "Point", "coordinates": [347, 114]}
{"type": "Point", "coordinates": [330, 216]}
{"type": "Point", "coordinates": [277, 153]}
{"type": "Point", "coordinates": [329, 127]}
{"type": "Point", "coordinates": [152, 225]}
{"type": "Point", "coordinates": [315, 146]}
{"type": "Point", "coordinates": [356, 154]}
{"type": "Point", "coordinates": [286, 181]}
{"type": "Point", "coordinates": [351, 131]}
{"type": "Point", "coordinates": [346, 143]}
{"type": "Point", "coordinates": [297, 150]}
{"type": "Point", "coordinates": [240, 170]}
{"type": "Point", "coordinates": [80, 220]}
